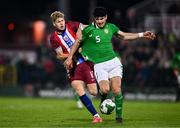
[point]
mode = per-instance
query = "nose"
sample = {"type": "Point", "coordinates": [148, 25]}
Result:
{"type": "Point", "coordinates": [99, 21]}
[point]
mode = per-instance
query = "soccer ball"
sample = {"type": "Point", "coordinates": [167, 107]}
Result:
{"type": "Point", "coordinates": [107, 106]}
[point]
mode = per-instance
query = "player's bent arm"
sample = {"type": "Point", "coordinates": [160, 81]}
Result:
{"type": "Point", "coordinates": [74, 48]}
{"type": "Point", "coordinates": [60, 55]}
{"type": "Point", "coordinates": [68, 62]}
{"type": "Point", "coordinates": [82, 26]}
{"type": "Point", "coordinates": [79, 31]}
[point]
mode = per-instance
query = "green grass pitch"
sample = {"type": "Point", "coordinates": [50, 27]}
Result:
{"type": "Point", "coordinates": [38, 112]}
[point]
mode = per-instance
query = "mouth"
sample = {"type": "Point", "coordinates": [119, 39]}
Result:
{"type": "Point", "coordinates": [61, 27]}
{"type": "Point", "coordinates": [100, 24]}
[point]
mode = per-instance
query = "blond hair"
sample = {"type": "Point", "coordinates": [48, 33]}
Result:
{"type": "Point", "coordinates": [55, 15]}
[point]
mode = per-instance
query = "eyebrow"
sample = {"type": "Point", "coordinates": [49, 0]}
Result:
{"type": "Point", "coordinates": [99, 18]}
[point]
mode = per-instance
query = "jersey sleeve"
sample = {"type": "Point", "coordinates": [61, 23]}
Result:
{"type": "Point", "coordinates": [114, 28]}
{"type": "Point", "coordinates": [53, 42]}
{"type": "Point", "coordinates": [86, 31]}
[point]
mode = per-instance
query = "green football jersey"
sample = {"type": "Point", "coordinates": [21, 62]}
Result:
{"type": "Point", "coordinates": [96, 42]}
{"type": "Point", "coordinates": [176, 62]}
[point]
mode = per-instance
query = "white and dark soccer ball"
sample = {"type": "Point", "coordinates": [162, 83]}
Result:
{"type": "Point", "coordinates": [107, 106]}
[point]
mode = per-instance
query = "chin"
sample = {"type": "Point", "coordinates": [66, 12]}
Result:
{"type": "Point", "coordinates": [101, 26]}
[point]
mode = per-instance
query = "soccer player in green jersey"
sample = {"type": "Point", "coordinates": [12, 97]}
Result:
{"type": "Point", "coordinates": [97, 47]}
{"type": "Point", "coordinates": [176, 69]}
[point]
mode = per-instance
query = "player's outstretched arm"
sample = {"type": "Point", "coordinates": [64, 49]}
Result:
{"type": "Point", "coordinates": [133, 36]}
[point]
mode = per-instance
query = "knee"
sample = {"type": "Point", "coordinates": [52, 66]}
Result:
{"type": "Point", "coordinates": [92, 88]}
{"type": "Point", "coordinates": [78, 87]}
{"type": "Point", "coordinates": [105, 90]}
{"type": "Point", "coordinates": [80, 91]}
{"type": "Point", "coordinates": [93, 92]}
{"type": "Point", "coordinates": [116, 91]}
{"type": "Point", "coordinates": [104, 86]}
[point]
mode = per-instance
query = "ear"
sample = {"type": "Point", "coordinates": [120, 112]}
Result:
{"type": "Point", "coordinates": [106, 17]}
{"type": "Point", "coordinates": [54, 24]}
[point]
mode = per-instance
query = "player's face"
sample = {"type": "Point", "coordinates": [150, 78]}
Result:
{"type": "Point", "coordinates": [100, 21]}
{"type": "Point", "coordinates": [59, 24]}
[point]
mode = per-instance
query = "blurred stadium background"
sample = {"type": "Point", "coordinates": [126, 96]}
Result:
{"type": "Point", "coordinates": [28, 67]}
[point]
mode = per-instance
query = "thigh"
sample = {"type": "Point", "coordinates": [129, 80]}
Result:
{"type": "Point", "coordinates": [100, 73]}
{"type": "Point", "coordinates": [84, 73]}
{"type": "Point", "coordinates": [117, 69]}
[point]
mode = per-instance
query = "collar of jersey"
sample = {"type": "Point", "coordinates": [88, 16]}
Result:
{"type": "Point", "coordinates": [94, 25]}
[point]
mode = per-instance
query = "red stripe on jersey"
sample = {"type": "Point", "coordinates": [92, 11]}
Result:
{"type": "Point", "coordinates": [71, 31]}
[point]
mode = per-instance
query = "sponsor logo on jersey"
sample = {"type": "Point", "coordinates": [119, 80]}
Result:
{"type": "Point", "coordinates": [106, 31]}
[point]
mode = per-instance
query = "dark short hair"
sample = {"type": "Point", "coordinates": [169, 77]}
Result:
{"type": "Point", "coordinates": [99, 12]}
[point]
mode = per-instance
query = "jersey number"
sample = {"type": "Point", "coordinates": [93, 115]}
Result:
{"type": "Point", "coordinates": [98, 39]}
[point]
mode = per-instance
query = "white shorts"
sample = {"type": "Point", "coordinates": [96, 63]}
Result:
{"type": "Point", "coordinates": [108, 69]}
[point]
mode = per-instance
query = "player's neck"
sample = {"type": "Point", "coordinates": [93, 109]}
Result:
{"type": "Point", "coordinates": [59, 32]}
{"type": "Point", "coordinates": [96, 26]}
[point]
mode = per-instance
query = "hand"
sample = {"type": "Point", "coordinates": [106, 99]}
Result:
{"type": "Point", "coordinates": [149, 35]}
{"type": "Point", "coordinates": [68, 63]}
{"type": "Point", "coordinates": [176, 72]}
{"type": "Point", "coordinates": [80, 50]}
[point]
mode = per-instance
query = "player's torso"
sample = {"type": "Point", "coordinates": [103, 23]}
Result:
{"type": "Point", "coordinates": [66, 39]}
{"type": "Point", "coordinates": [98, 44]}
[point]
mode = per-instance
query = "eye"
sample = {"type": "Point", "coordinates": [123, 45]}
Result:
{"type": "Point", "coordinates": [99, 18]}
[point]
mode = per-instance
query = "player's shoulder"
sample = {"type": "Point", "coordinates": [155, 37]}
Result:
{"type": "Point", "coordinates": [110, 24]}
{"type": "Point", "coordinates": [89, 28]}
{"type": "Point", "coordinates": [52, 35]}
{"type": "Point", "coordinates": [72, 23]}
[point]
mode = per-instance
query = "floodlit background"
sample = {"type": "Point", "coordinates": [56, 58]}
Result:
{"type": "Point", "coordinates": [29, 68]}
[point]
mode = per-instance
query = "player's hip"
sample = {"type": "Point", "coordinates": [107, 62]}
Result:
{"type": "Point", "coordinates": [83, 72]}
{"type": "Point", "coordinates": [108, 65]}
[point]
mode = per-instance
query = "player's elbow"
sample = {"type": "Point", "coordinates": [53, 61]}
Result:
{"type": "Point", "coordinates": [60, 57]}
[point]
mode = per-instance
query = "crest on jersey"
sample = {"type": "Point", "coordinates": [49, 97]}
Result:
{"type": "Point", "coordinates": [106, 31]}
{"type": "Point", "coordinates": [66, 38]}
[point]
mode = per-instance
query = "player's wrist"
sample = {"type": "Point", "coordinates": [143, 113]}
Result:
{"type": "Point", "coordinates": [70, 57]}
{"type": "Point", "coordinates": [141, 34]}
